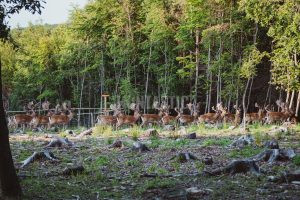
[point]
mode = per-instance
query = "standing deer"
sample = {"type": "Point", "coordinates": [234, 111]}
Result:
{"type": "Point", "coordinates": [42, 120]}
{"type": "Point", "coordinates": [109, 119]}
{"type": "Point", "coordinates": [255, 117]}
{"type": "Point", "coordinates": [128, 119]}
{"type": "Point", "coordinates": [152, 118]}
{"type": "Point", "coordinates": [24, 119]}
{"type": "Point", "coordinates": [62, 119]}
{"type": "Point", "coordinates": [282, 116]}
{"type": "Point", "coordinates": [167, 118]}
{"type": "Point", "coordinates": [211, 118]}
{"type": "Point", "coordinates": [187, 119]}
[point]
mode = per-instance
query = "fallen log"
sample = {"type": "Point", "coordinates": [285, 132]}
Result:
{"type": "Point", "coordinates": [43, 155]}
{"type": "Point", "coordinates": [271, 155]}
{"type": "Point", "coordinates": [84, 133]}
{"type": "Point", "coordinates": [236, 166]}
{"type": "Point", "coordinates": [60, 142]}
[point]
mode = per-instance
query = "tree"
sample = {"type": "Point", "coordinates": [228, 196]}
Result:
{"type": "Point", "coordinates": [10, 187]}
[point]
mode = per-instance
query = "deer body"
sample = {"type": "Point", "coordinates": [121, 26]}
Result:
{"type": "Point", "coordinates": [60, 119]}
{"type": "Point", "coordinates": [21, 119]}
{"type": "Point", "coordinates": [107, 120]}
{"type": "Point", "coordinates": [127, 119]}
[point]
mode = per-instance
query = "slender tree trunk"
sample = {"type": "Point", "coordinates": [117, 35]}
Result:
{"type": "Point", "coordinates": [147, 78]}
{"type": "Point", "coordinates": [250, 90]}
{"type": "Point", "coordinates": [244, 104]}
{"type": "Point", "coordinates": [298, 105]}
{"type": "Point", "coordinates": [292, 99]}
{"type": "Point", "coordinates": [9, 183]}
{"type": "Point", "coordinates": [197, 64]}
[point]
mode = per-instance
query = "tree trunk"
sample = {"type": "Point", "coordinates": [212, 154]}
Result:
{"type": "Point", "coordinates": [197, 64]}
{"type": "Point", "coordinates": [10, 186]}
{"type": "Point", "coordinates": [244, 104]}
{"type": "Point", "coordinates": [147, 79]}
{"type": "Point", "coordinates": [292, 99]}
{"type": "Point", "coordinates": [298, 104]}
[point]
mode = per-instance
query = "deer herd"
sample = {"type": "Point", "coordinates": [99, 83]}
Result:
{"type": "Point", "coordinates": [62, 115]}
{"type": "Point", "coordinates": [220, 115]}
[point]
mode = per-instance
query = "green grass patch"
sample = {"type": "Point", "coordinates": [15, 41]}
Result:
{"type": "Point", "coordinates": [296, 160]}
{"type": "Point", "coordinates": [245, 152]}
{"type": "Point", "coordinates": [216, 142]}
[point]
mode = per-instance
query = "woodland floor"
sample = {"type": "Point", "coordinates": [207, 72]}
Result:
{"type": "Point", "coordinates": [118, 173]}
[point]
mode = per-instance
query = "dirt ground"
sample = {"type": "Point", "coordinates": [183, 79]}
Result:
{"type": "Point", "coordinates": [122, 173]}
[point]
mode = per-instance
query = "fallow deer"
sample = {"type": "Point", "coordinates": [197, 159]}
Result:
{"type": "Point", "coordinates": [42, 120]}
{"type": "Point", "coordinates": [109, 119]}
{"type": "Point", "coordinates": [128, 119]}
{"type": "Point", "coordinates": [62, 119]}
{"type": "Point", "coordinates": [282, 116]}
{"type": "Point", "coordinates": [167, 118]}
{"type": "Point", "coordinates": [187, 119]}
{"type": "Point", "coordinates": [152, 118]}
{"type": "Point", "coordinates": [211, 117]}
{"type": "Point", "coordinates": [24, 119]}
{"type": "Point", "coordinates": [255, 117]}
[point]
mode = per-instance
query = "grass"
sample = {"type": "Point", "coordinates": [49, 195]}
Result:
{"type": "Point", "coordinates": [296, 160]}
{"type": "Point", "coordinates": [246, 152]}
{"type": "Point", "coordinates": [116, 173]}
{"type": "Point", "coordinates": [216, 142]}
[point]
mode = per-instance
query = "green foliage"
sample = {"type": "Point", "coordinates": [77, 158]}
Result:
{"type": "Point", "coordinates": [296, 160]}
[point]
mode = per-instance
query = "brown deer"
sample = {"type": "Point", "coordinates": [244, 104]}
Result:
{"type": "Point", "coordinates": [42, 120]}
{"type": "Point", "coordinates": [211, 117]}
{"type": "Point", "coordinates": [282, 116]}
{"type": "Point", "coordinates": [187, 119]}
{"type": "Point", "coordinates": [167, 118]}
{"type": "Point", "coordinates": [152, 118]}
{"type": "Point", "coordinates": [128, 119]}
{"type": "Point", "coordinates": [24, 119]}
{"type": "Point", "coordinates": [237, 116]}
{"type": "Point", "coordinates": [255, 117]}
{"type": "Point", "coordinates": [109, 119]}
{"type": "Point", "coordinates": [62, 119]}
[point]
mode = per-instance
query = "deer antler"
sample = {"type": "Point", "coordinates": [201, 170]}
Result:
{"type": "Point", "coordinates": [30, 105]}
{"type": "Point", "coordinates": [156, 105]}
{"type": "Point", "coordinates": [64, 106]}
{"type": "Point", "coordinates": [45, 105]}
{"type": "Point", "coordinates": [132, 106]}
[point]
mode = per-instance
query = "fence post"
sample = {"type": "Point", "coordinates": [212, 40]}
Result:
{"type": "Point", "coordinates": [92, 120]}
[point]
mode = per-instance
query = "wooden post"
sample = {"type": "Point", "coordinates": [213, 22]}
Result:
{"type": "Point", "coordinates": [105, 96]}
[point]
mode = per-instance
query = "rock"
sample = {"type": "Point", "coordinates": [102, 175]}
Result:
{"type": "Point", "coordinates": [126, 130]}
{"type": "Point", "coordinates": [151, 132]}
{"type": "Point", "coordinates": [195, 191]}
{"type": "Point", "coordinates": [169, 128]}
{"type": "Point", "coordinates": [175, 194]}
{"type": "Point", "coordinates": [138, 146]}
{"type": "Point", "coordinates": [117, 144]}
{"type": "Point", "coordinates": [191, 136]}
{"type": "Point", "coordinates": [273, 144]}
{"type": "Point", "coordinates": [208, 161]}
{"type": "Point", "coordinates": [243, 141]}
{"type": "Point", "coordinates": [184, 157]}
{"type": "Point", "coordinates": [73, 170]}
